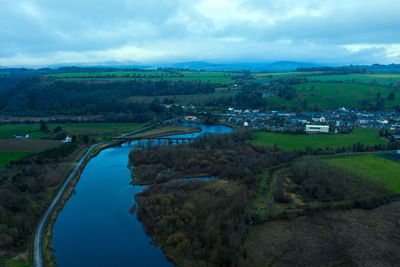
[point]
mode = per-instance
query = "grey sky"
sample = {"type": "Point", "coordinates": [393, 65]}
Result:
{"type": "Point", "coordinates": [45, 32]}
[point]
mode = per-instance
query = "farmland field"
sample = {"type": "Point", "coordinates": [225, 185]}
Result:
{"type": "Point", "coordinates": [375, 166]}
{"type": "Point", "coordinates": [7, 131]}
{"type": "Point", "coordinates": [267, 76]}
{"type": "Point", "coordinates": [14, 149]}
{"type": "Point", "coordinates": [335, 95]}
{"type": "Point", "coordinates": [300, 142]}
{"type": "Point", "coordinates": [383, 79]}
{"type": "Point", "coordinates": [212, 77]}
{"type": "Point", "coordinates": [27, 145]}
{"type": "Point", "coordinates": [8, 156]}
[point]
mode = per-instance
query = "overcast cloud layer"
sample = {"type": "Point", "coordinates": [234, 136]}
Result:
{"type": "Point", "coordinates": [46, 32]}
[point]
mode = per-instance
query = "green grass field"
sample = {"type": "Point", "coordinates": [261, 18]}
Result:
{"type": "Point", "coordinates": [7, 156]}
{"type": "Point", "coordinates": [212, 77]}
{"type": "Point", "coordinates": [383, 79]}
{"type": "Point", "coordinates": [7, 131]}
{"type": "Point", "coordinates": [375, 166]}
{"type": "Point", "coordinates": [267, 76]}
{"type": "Point", "coordinates": [300, 142]}
{"type": "Point", "coordinates": [335, 95]}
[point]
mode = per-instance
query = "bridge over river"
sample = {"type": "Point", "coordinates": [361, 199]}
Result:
{"type": "Point", "coordinates": [156, 140]}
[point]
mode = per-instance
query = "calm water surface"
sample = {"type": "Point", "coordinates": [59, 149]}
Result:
{"type": "Point", "coordinates": [95, 227]}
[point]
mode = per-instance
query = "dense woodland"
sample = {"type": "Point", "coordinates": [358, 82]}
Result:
{"type": "Point", "coordinates": [201, 221]}
{"type": "Point", "coordinates": [26, 188]}
{"type": "Point", "coordinates": [58, 97]}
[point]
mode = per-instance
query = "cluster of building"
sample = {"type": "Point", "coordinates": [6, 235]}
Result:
{"type": "Point", "coordinates": [336, 121]}
{"type": "Point", "coordinates": [67, 139]}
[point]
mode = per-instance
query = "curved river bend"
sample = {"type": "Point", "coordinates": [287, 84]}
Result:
{"type": "Point", "coordinates": [95, 227]}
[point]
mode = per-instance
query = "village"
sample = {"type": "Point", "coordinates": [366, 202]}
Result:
{"type": "Point", "coordinates": [334, 121]}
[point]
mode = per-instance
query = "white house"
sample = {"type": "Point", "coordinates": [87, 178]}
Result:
{"type": "Point", "coordinates": [67, 139]}
{"type": "Point", "coordinates": [321, 120]}
{"type": "Point", "coordinates": [382, 121]}
{"type": "Point", "coordinates": [246, 124]}
{"type": "Point", "coordinates": [21, 136]}
{"type": "Point", "coordinates": [317, 128]}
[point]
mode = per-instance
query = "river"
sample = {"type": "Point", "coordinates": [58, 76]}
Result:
{"type": "Point", "coordinates": [95, 227]}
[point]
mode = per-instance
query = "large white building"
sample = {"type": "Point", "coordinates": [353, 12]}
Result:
{"type": "Point", "coordinates": [317, 128]}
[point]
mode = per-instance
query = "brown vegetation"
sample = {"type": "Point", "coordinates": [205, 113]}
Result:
{"type": "Point", "coordinates": [201, 222]}
{"type": "Point", "coordinates": [346, 238]}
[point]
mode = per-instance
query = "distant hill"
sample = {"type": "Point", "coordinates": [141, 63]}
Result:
{"type": "Point", "coordinates": [279, 66]}
{"type": "Point", "coordinates": [107, 64]}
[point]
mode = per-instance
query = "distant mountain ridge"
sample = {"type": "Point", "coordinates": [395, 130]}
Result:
{"type": "Point", "coordinates": [278, 66]}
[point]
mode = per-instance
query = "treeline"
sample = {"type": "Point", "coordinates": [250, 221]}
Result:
{"type": "Point", "coordinates": [201, 222]}
{"type": "Point", "coordinates": [335, 70]}
{"type": "Point", "coordinates": [357, 147]}
{"type": "Point", "coordinates": [125, 89]}
{"type": "Point", "coordinates": [80, 98]}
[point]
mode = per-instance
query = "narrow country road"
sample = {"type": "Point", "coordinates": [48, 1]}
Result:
{"type": "Point", "coordinates": [38, 242]}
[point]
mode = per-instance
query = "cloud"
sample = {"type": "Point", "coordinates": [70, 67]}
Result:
{"type": "Point", "coordinates": [44, 32]}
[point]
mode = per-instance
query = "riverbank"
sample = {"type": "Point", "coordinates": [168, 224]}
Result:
{"type": "Point", "coordinates": [48, 257]}
{"type": "Point", "coordinates": [101, 210]}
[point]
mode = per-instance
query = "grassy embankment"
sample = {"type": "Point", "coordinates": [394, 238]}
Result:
{"type": "Point", "coordinates": [368, 137]}
{"type": "Point", "coordinates": [15, 149]}
{"type": "Point", "coordinates": [167, 130]}
{"type": "Point", "coordinates": [334, 95]}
